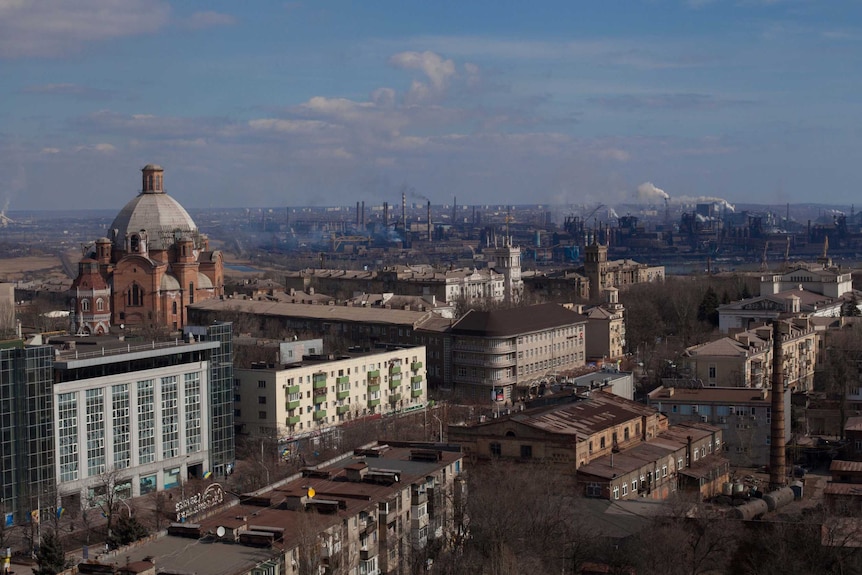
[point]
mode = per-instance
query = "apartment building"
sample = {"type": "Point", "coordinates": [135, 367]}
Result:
{"type": "Point", "coordinates": [745, 358]}
{"type": "Point", "coordinates": [372, 512]}
{"type": "Point", "coordinates": [743, 415]}
{"type": "Point", "coordinates": [315, 393]}
{"type": "Point", "coordinates": [502, 354]}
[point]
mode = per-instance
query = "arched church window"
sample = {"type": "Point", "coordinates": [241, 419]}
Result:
{"type": "Point", "coordinates": [100, 304]}
{"type": "Point", "coordinates": [134, 243]}
{"type": "Point", "coordinates": [85, 304]}
{"type": "Point", "coordinates": [174, 307]}
{"type": "Point", "coordinates": [191, 292]}
{"type": "Point", "coordinates": [135, 296]}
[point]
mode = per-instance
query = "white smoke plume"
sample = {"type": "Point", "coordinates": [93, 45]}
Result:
{"type": "Point", "coordinates": [647, 192]}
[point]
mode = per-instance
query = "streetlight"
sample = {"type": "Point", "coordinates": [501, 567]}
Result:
{"type": "Point", "coordinates": [441, 426]}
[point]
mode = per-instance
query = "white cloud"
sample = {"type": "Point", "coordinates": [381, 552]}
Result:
{"type": "Point", "coordinates": [50, 151]}
{"type": "Point", "coordinates": [438, 71]}
{"type": "Point", "coordinates": [49, 28]}
{"type": "Point", "coordinates": [210, 19]}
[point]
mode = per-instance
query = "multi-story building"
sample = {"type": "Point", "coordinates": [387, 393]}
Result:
{"type": "Point", "coordinates": [684, 457]}
{"type": "Point", "coordinates": [27, 428]}
{"type": "Point", "coordinates": [569, 431]}
{"type": "Point", "coordinates": [372, 512]}
{"type": "Point", "coordinates": [603, 274]}
{"type": "Point", "coordinates": [449, 285]}
{"type": "Point", "coordinates": [315, 394]}
{"type": "Point", "coordinates": [743, 415]}
{"type": "Point", "coordinates": [745, 359]}
{"type": "Point", "coordinates": [502, 354]}
{"type": "Point", "coordinates": [92, 411]}
{"type": "Point", "coordinates": [146, 416]}
{"type": "Point", "coordinates": [606, 328]}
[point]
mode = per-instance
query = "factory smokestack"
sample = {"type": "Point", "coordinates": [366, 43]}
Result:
{"type": "Point", "coordinates": [362, 223]}
{"type": "Point", "coordinates": [429, 220]}
{"type": "Point", "coordinates": [777, 469]}
{"type": "Point", "coordinates": [404, 212]}
{"type": "Point", "coordinates": [385, 214]}
{"type": "Point", "coordinates": [454, 210]}
{"type": "Point", "coordinates": [357, 215]}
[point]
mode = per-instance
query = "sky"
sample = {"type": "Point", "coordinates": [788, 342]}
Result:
{"type": "Point", "coordinates": [276, 104]}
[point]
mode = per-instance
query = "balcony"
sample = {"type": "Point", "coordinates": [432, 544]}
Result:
{"type": "Point", "coordinates": [318, 381]}
{"type": "Point", "coordinates": [416, 365]}
{"type": "Point", "coordinates": [394, 398]}
{"type": "Point", "coordinates": [291, 389]}
{"type": "Point", "coordinates": [342, 394]}
{"type": "Point", "coordinates": [319, 414]}
{"type": "Point", "coordinates": [416, 392]}
{"type": "Point", "coordinates": [418, 497]}
{"type": "Point", "coordinates": [290, 405]}
{"type": "Point", "coordinates": [416, 379]}
{"type": "Point", "coordinates": [365, 553]}
{"type": "Point", "coordinates": [342, 409]}
{"type": "Point", "coordinates": [319, 398]}
{"type": "Point", "coordinates": [373, 387]}
{"type": "Point", "coordinates": [373, 402]}
{"type": "Point", "coordinates": [342, 379]}
{"type": "Point", "coordinates": [503, 361]}
{"type": "Point", "coordinates": [373, 374]}
{"type": "Point", "coordinates": [394, 383]}
{"type": "Point", "coordinates": [293, 419]}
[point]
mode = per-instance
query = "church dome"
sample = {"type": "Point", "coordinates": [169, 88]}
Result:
{"type": "Point", "coordinates": [162, 218]}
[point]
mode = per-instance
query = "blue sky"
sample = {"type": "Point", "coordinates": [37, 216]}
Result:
{"type": "Point", "coordinates": [270, 104]}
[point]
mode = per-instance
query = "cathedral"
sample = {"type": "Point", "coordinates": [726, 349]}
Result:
{"type": "Point", "coordinates": [152, 264]}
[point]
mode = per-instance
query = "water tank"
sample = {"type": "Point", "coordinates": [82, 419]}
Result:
{"type": "Point", "coordinates": [779, 498]}
{"type": "Point", "coordinates": [738, 488]}
{"type": "Point", "coordinates": [727, 488]}
{"type": "Point", "coordinates": [751, 510]}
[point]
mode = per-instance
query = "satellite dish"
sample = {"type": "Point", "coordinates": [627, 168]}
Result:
{"type": "Point", "coordinates": [220, 531]}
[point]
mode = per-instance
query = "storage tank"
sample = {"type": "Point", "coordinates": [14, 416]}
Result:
{"type": "Point", "coordinates": [779, 498]}
{"type": "Point", "coordinates": [738, 488]}
{"type": "Point", "coordinates": [727, 488]}
{"type": "Point", "coordinates": [751, 510]}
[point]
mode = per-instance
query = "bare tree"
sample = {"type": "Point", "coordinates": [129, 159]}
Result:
{"type": "Point", "coordinates": [107, 496]}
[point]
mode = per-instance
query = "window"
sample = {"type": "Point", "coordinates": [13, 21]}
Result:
{"type": "Point", "coordinates": [85, 304]}
{"type": "Point", "coordinates": [626, 433]}
{"type": "Point", "coordinates": [602, 443]}
{"type": "Point", "coordinates": [526, 451]}
{"type": "Point", "coordinates": [634, 485]}
{"type": "Point", "coordinates": [679, 463]}
{"type": "Point", "coordinates": [664, 470]}
{"type": "Point", "coordinates": [135, 296]}
{"type": "Point", "coordinates": [174, 308]}
{"type": "Point", "coordinates": [616, 492]}
{"type": "Point", "coordinates": [100, 304]}
{"type": "Point", "coordinates": [191, 292]}
{"type": "Point", "coordinates": [261, 399]}
{"type": "Point", "coordinates": [712, 371]}
{"type": "Point", "coordinates": [261, 415]}
{"type": "Point", "coordinates": [625, 489]}
{"type": "Point", "coordinates": [261, 384]}
{"type": "Point", "coordinates": [496, 449]}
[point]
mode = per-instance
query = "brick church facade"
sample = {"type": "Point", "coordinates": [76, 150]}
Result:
{"type": "Point", "coordinates": [152, 264]}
